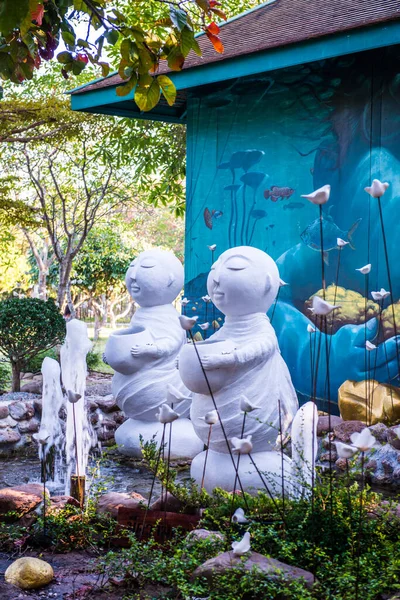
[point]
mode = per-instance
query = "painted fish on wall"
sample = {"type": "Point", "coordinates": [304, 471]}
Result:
{"type": "Point", "coordinates": [211, 216]}
{"type": "Point", "coordinates": [311, 236]}
{"type": "Point", "coordinates": [278, 193]}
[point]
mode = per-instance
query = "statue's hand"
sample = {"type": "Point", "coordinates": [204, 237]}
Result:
{"type": "Point", "coordinates": [105, 361]}
{"type": "Point", "coordinates": [216, 361]}
{"type": "Point", "coordinates": [150, 350]}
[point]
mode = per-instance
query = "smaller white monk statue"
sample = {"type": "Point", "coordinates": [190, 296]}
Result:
{"type": "Point", "coordinates": [144, 355]}
{"type": "Point", "coordinates": [242, 359]}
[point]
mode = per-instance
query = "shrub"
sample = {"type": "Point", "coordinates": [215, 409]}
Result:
{"type": "Point", "coordinates": [5, 374]}
{"type": "Point", "coordinates": [93, 360]}
{"type": "Point", "coordinates": [34, 364]}
{"type": "Point", "coordinates": [28, 326]}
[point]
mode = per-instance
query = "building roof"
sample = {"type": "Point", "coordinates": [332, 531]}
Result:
{"type": "Point", "coordinates": [280, 26]}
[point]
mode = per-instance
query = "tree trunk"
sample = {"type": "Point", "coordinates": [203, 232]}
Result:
{"type": "Point", "coordinates": [16, 377]}
{"type": "Point", "coordinates": [64, 275]}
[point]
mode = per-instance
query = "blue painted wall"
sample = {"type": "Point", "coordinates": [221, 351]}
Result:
{"type": "Point", "coordinates": [254, 146]}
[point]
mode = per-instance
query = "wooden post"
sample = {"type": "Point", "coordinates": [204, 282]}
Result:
{"type": "Point", "coordinates": [77, 489]}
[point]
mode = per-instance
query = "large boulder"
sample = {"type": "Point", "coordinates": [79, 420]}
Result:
{"type": "Point", "coordinates": [20, 499]}
{"type": "Point", "coordinates": [29, 573]}
{"type": "Point", "coordinates": [270, 567]}
{"type": "Point", "coordinates": [111, 502]}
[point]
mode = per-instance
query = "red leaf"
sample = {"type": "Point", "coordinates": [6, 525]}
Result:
{"type": "Point", "coordinates": [216, 42]}
{"type": "Point", "coordinates": [213, 28]}
{"type": "Point", "coordinates": [219, 13]}
{"type": "Point", "coordinates": [214, 3]}
{"type": "Point", "coordinates": [83, 58]}
{"type": "Point", "coordinates": [37, 14]}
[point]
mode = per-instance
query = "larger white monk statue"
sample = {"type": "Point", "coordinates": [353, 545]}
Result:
{"type": "Point", "coordinates": [144, 355]}
{"type": "Point", "coordinates": [244, 369]}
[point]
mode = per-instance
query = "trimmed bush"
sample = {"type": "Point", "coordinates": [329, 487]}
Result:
{"type": "Point", "coordinates": [27, 327]}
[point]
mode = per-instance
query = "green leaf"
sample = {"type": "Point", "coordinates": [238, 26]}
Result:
{"type": "Point", "coordinates": [175, 59]}
{"type": "Point", "coordinates": [195, 47]}
{"type": "Point", "coordinates": [145, 61]}
{"type": "Point", "coordinates": [64, 58]}
{"type": "Point", "coordinates": [168, 89]}
{"type": "Point", "coordinates": [78, 66]}
{"type": "Point", "coordinates": [178, 17]}
{"type": "Point", "coordinates": [68, 37]}
{"type": "Point", "coordinates": [82, 43]}
{"type": "Point", "coordinates": [105, 68]}
{"type": "Point", "coordinates": [137, 33]}
{"type": "Point", "coordinates": [147, 97]}
{"type": "Point", "coordinates": [112, 36]}
{"type": "Point", "coordinates": [12, 14]}
{"type": "Point", "coordinates": [187, 41]}
{"type": "Point", "coordinates": [125, 49]}
{"type": "Point", "coordinates": [124, 90]}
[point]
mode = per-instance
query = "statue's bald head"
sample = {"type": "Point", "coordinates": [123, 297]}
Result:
{"type": "Point", "coordinates": [242, 281]}
{"type": "Point", "coordinates": [154, 277]}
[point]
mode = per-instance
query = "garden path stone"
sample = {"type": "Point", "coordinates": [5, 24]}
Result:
{"type": "Point", "coordinates": [272, 568]}
{"type": "Point", "coordinates": [21, 498]}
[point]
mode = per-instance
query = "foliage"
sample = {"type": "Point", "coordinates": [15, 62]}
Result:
{"type": "Point", "coordinates": [325, 536]}
{"type": "Point", "coordinates": [27, 326]}
{"type": "Point", "coordinates": [5, 374]}
{"type": "Point", "coordinates": [34, 364]}
{"type": "Point", "coordinates": [93, 360]}
{"type": "Point", "coordinates": [32, 30]}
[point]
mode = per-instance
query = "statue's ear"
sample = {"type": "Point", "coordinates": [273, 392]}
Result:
{"type": "Point", "coordinates": [171, 279]}
{"type": "Point", "coordinates": [267, 284]}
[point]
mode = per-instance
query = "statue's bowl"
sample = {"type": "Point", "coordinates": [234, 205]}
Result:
{"type": "Point", "coordinates": [118, 349]}
{"type": "Point", "coordinates": [190, 369]}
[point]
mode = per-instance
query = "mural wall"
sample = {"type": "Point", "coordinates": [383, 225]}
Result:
{"type": "Point", "coordinates": [254, 146]}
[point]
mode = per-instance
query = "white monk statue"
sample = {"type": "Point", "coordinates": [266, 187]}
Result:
{"type": "Point", "coordinates": [144, 356]}
{"type": "Point", "coordinates": [243, 365]}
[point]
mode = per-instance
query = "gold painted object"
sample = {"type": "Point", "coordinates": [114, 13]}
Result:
{"type": "Point", "coordinates": [370, 402]}
{"type": "Point", "coordinates": [29, 573]}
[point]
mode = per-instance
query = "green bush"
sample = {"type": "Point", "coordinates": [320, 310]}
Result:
{"type": "Point", "coordinates": [28, 326]}
{"type": "Point", "coordinates": [93, 360]}
{"type": "Point", "coordinates": [5, 374]}
{"type": "Point", "coordinates": [34, 364]}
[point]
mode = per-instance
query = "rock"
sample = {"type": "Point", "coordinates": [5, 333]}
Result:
{"type": "Point", "coordinates": [272, 568]}
{"type": "Point", "coordinates": [119, 417]}
{"type": "Point", "coordinates": [329, 456]}
{"type": "Point", "coordinates": [9, 436]}
{"type": "Point", "coordinates": [111, 502]}
{"type": "Point", "coordinates": [33, 387]}
{"type": "Point", "coordinates": [393, 437]}
{"type": "Point", "coordinates": [94, 418]}
{"type": "Point", "coordinates": [323, 424]}
{"type": "Point", "coordinates": [167, 502]}
{"type": "Point", "coordinates": [107, 404]}
{"type": "Point", "coordinates": [341, 464]}
{"type": "Point", "coordinates": [31, 426]}
{"type": "Point", "coordinates": [4, 412]}
{"type": "Point", "coordinates": [7, 422]}
{"type": "Point", "coordinates": [386, 461]}
{"type": "Point", "coordinates": [21, 410]}
{"type": "Point", "coordinates": [385, 401]}
{"type": "Point", "coordinates": [58, 504]}
{"type": "Point", "coordinates": [92, 404]}
{"type": "Point", "coordinates": [203, 534]}
{"type": "Point", "coordinates": [37, 404]}
{"type": "Point", "coordinates": [21, 498]}
{"type": "Point", "coordinates": [29, 573]}
{"type": "Point", "coordinates": [99, 389]}
{"type": "Point", "coordinates": [344, 430]}
{"type": "Point", "coordinates": [108, 423]}
{"type": "Point", "coordinates": [104, 435]}
{"type": "Point", "coordinates": [380, 431]}
{"type": "Point", "coordinates": [27, 376]}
